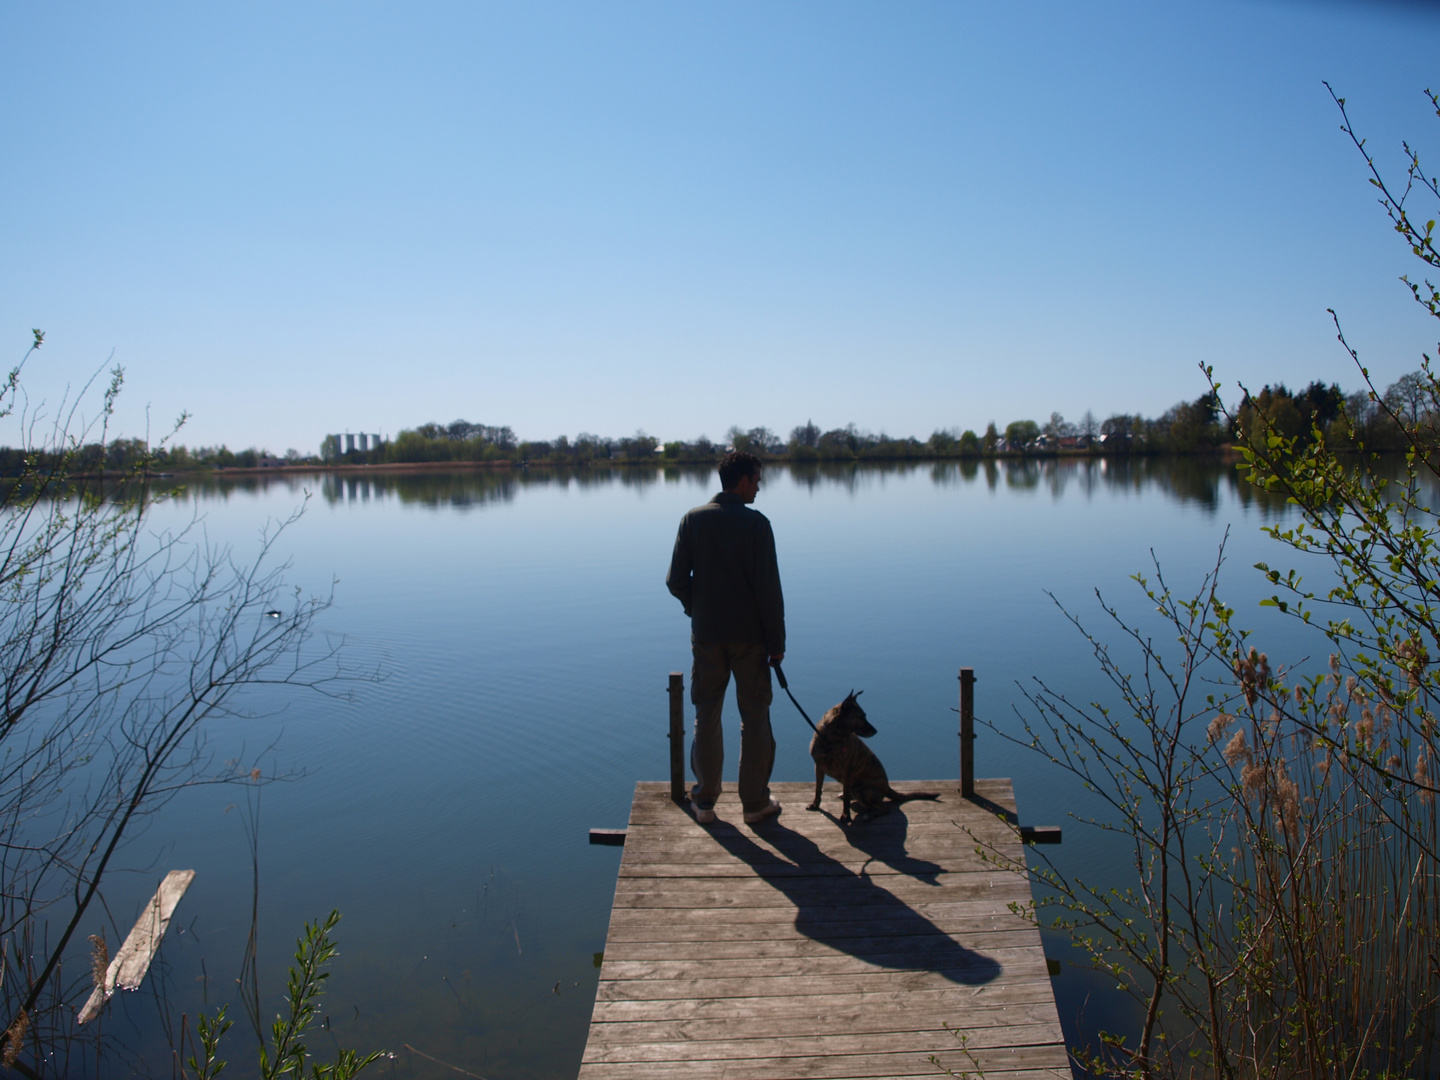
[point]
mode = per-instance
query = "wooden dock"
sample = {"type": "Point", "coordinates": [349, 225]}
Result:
{"type": "Point", "coordinates": [800, 948]}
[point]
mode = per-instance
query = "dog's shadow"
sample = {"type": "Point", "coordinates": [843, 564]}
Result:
{"type": "Point", "coordinates": [852, 913]}
{"type": "Point", "coordinates": [883, 840]}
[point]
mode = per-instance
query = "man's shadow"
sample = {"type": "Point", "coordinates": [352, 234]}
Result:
{"type": "Point", "coordinates": [850, 912]}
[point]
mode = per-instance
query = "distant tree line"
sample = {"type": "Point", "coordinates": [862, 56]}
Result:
{"type": "Point", "coordinates": [131, 456]}
{"type": "Point", "coordinates": [463, 441]}
{"type": "Point", "coordinates": [1346, 421]}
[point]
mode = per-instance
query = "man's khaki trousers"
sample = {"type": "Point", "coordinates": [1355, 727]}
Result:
{"type": "Point", "coordinates": [714, 664]}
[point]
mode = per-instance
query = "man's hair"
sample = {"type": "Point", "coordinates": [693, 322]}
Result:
{"type": "Point", "coordinates": [736, 465]}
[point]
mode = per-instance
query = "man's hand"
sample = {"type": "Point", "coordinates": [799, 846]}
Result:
{"type": "Point", "coordinates": [776, 658]}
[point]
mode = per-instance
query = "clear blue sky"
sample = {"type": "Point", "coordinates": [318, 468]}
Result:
{"type": "Point", "coordinates": [298, 218]}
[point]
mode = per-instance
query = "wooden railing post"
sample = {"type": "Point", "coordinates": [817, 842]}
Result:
{"type": "Point", "coordinates": [967, 732]}
{"type": "Point", "coordinates": [677, 737]}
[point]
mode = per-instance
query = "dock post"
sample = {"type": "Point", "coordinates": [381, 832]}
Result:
{"type": "Point", "coordinates": [677, 737]}
{"type": "Point", "coordinates": [967, 732]}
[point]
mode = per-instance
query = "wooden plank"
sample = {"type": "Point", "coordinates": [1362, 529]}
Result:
{"type": "Point", "coordinates": [832, 963]}
{"type": "Point", "coordinates": [850, 893]}
{"type": "Point", "coordinates": [878, 978]}
{"type": "Point", "coordinates": [682, 921]}
{"type": "Point", "coordinates": [917, 1070]}
{"type": "Point", "coordinates": [943, 835]}
{"type": "Point", "coordinates": [924, 1042]}
{"type": "Point", "coordinates": [801, 948]}
{"type": "Point", "coordinates": [996, 788]}
{"type": "Point", "coordinates": [974, 1006]}
{"type": "Point", "coordinates": [849, 867]}
{"type": "Point", "coordinates": [1028, 1061]}
{"type": "Point", "coordinates": [845, 1021]}
{"type": "Point", "coordinates": [875, 942]}
{"type": "Point", "coordinates": [839, 895]}
{"type": "Point", "coordinates": [681, 941]}
{"type": "Point", "coordinates": [128, 967]}
{"type": "Point", "coordinates": [912, 815]}
{"type": "Point", "coordinates": [701, 856]}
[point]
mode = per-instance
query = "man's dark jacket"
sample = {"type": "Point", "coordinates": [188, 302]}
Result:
{"type": "Point", "coordinates": [724, 572]}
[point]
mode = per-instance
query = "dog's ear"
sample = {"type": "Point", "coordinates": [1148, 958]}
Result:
{"type": "Point", "coordinates": [856, 693]}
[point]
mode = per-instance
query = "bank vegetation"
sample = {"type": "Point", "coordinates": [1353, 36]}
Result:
{"type": "Point", "coordinates": [1357, 421]}
{"type": "Point", "coordinates": [1283, 917]}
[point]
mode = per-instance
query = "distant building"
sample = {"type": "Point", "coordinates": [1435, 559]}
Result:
{"type": "Point", "coordinates": [337, 447]}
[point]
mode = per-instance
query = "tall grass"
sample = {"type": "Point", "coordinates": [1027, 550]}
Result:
{"type": "Point", "coordinates": [1332, 882]}
{"type": "Point", "coordinates": [1283, 917]}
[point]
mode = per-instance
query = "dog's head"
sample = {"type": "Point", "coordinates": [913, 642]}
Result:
{"type": "Point", "coordinates": [848, 717]}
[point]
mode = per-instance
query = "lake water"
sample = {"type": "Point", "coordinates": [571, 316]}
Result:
{"type": "Point", "coordinates": [524, 636]}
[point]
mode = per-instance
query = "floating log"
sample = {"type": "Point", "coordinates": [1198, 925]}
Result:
{"type": "Point", "coordinates": [127, 969]}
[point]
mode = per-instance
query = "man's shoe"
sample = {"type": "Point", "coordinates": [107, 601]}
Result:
{"type": "Point", "coordinates": [704, 815]}
{"type": "Point", "coordinates": [754, 817]}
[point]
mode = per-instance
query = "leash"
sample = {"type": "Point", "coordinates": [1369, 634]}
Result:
{"type": "Point", "coordinates": [779, 674]}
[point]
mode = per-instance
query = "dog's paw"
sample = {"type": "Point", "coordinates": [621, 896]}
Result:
{"type": "Point", "coordinates": [814, 805]}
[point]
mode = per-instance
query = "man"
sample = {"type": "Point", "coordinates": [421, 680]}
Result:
{"type": "Point", "coordinates": [724, 573]}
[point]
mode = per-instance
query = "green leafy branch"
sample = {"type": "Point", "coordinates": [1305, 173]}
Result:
{"type": "Point", "coordinates": [287, 1053]}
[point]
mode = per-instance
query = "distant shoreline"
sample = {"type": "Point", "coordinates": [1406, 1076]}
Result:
{"type": "Point", "coordinates": [314, 467]}
{"type": "Point", "coordinates": [1226, 453]}
{"type": "Point", "coordinates": [1223, 453]}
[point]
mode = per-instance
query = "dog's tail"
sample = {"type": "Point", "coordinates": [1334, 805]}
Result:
{"type": "Point", "coordinates": [900, 796]}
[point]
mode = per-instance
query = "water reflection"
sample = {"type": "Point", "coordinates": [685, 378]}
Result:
{"type": "Point", "coordinates": [434, 488]}
{"type": "Point", "coordinates": [1025, 474]}
{"type": "Point", "coordinates": [1199, 482]}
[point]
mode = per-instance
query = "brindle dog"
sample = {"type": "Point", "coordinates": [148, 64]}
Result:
{"type": "Point", "coordinates": [838, 751]}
